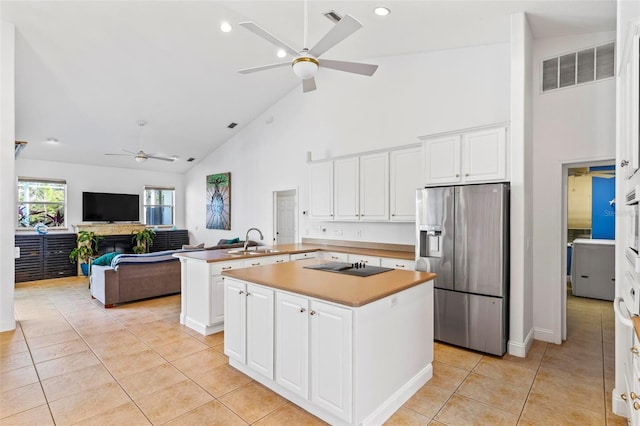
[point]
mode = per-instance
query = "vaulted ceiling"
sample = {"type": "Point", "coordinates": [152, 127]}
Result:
{"type": "Point", "coordinates": [87, 71]}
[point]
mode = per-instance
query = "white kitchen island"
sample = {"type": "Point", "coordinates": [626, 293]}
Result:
{"type": "Point", "coordinates": [350, 350]}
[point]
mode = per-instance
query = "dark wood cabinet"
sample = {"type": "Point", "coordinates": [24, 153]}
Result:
{"type": "Point", "coordinates": [44, 256]}
{"type": "Point", "coordinates": [47, 256]}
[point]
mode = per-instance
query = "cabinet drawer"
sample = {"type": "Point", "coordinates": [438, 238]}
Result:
{"type": "Point", "coordinates": [369, 260]}
{"type": "Point", "coordinates": [218, 267]}
{"type": "Point", "coordinates": [265, 260]}
{"type": "Point", "coordinates": [308, 255]}
{"type": "Point", "coordinates": [335, 257]}
{"type": "Point", "coordinates": [408, 265]}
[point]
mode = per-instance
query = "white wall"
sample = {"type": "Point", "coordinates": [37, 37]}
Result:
{"type": "Point", "coordinates": [101, 179]}
{"type": "Point", "coordinates": [7, 178]}
{"type": "Point", "coordinates": [409, 96]}
{"type": "Point", "coordinates": [570, 125]}
{"type": "Point", "coordinates": [521, 265]}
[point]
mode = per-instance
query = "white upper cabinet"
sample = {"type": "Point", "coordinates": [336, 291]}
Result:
{"type": "Point", "coordinates": [321, 191]}
{"type": "Point", "coordinates": [469, 157]}
{"type": "Point", "coordinates": [374, 187]}
{"type": "Point", "coordinates": [484, 155]}
{"type": "Point", "coordinates": [442, 160]}
{"type": "Point", "coordinates": [405, 178]}
{"type": "Point", "coordinates": [346, 203]}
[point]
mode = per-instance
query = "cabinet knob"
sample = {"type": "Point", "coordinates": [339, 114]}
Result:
{"type": "Point", "coordinates": [241, 292]}
{"type": "Point", "coordinates": [312, 312]}
{"type": "Point", "coordinates": [248, 294]}
{"type": "Point", "coordinates": [457, 175]}
{"type": "Point", "coordinates": [624, 163]}
{"type": "Point", "coordinates": [636, 405]}
{"type": "Point", "coordinates": [623, 396]}
{"type": "Point", "coordinates": [302, 310]}
{"type": "Point", "coordinates": [634, 350]}
{"type": "Point", "coordinates": [466, 174]}
{"type": "Point", "coordinates": [633, 395]}
{"type": "Point", "coordinates": [393, 214]}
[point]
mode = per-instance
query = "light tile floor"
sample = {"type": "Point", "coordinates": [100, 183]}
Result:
{"type": "Point", "coordinates": [70, 361]}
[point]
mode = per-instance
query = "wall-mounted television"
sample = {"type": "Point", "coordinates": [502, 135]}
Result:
{"type": "Point", "coordinates": [106, 207]}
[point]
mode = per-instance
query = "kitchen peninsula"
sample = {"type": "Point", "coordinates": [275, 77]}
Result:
{"type": "Point", "coordinates": [348, 349]}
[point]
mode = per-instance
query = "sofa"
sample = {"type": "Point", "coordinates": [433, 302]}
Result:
{"type": "Point", "coordinates": [130, 277]}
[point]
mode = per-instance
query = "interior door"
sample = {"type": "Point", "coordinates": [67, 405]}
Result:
{"type": "Point", "coordinates": [285, 217]}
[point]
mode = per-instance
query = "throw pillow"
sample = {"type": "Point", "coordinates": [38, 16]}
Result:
{"type": "Point", "coordinates": [233, 241]}
{"type": "Point", "coordinates": [195, 246]}
{"type": "Point", "coordinates": [105, 259]}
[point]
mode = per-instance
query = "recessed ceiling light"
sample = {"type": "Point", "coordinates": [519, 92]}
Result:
{"type": "Point", "coordinates": [52, 141]}
{"type": "Point", "coordinates": [381, 11]}
{"type": "Point", "coordinates": [281, 53]}
{"type": "Point", "coordinates": [225, 27]}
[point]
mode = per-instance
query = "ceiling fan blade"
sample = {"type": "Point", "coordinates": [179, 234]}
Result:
{"type": "Point", "coordinates": [343, 29]}
{"type": "Point", "coordinates": [353, 67]}
{"type": "Point", "coordinates": [263, 67]}
{"type": "Point", "coordinates": [308, 85]}
{"type": "Point", "coordinates": [132, 153]}
{"type": "Point", "coordinates": [123, 155]}
{"type": "Point", "coordinates": [160, 158]}
{"type": "Point", "coordinates": [259, 31]}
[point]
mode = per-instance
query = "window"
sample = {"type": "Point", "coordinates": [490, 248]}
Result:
{"type": "Point", "coordinates": [41, 201]}
{"type": "Point", "coordinates": [159, 205]}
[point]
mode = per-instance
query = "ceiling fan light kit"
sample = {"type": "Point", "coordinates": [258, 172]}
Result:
{"type": "Point", "coordinates": [305, 67]}
{"type": "Point", "coordinates": [305, 62]}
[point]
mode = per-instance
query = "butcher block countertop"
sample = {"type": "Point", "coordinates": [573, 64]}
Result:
{"type": "Point", "coordinates": [221, 255]}
{"type": "Point", "coordinates": [344, 289]}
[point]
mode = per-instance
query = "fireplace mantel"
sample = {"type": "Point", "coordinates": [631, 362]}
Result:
{"type": "Point", "coordinates": [111, 228]}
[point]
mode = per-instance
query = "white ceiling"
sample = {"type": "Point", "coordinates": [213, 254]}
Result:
{"type": "Point", "coordinates": [87, 71]}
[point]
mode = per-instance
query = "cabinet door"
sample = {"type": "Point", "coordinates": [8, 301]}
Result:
{"type": "Point", "coordinates": [485, 156]}
{"type": "Point", "coordinates": [442, 160]}
{"type": "Point", "coordinates": [404, 179]}
{"type": "Point", "coordinates": [345, 189]}
{"type": "Point", "coordinates": [331, 358]}
{"type": "Point", "coordinates": [408, 265]}
{"type": "Point", "coordinates": [235, 325]}
{"type": "Point", "coordinates": [321, 191]}
{"type": "Point", "coordinates": [292, 343]}
{"type": "Point", "coordinates": [374, 187]}
{"type": "Point", "coordinates": [260, 329]}
{"type": "Point", "coordinates": [335, 256]}
{"type": "Point", "coordinates": [217, 300]}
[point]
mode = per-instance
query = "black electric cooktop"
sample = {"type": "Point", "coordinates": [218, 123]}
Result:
{"type": "Point", "coordinates": [357, 269]}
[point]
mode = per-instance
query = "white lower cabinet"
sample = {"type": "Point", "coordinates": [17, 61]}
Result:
{"type": "Point", "coordinates": [387, 262]}
{"type": "Point", "coordinates": [265, 260]}
{"type": "Point", "coordinates": [307, 255]}
{"type": "Point", "coordinates": [248, 336]}
{"type": "Point", "coordinates": [313, 351]}
{"type": "Point", "coordinates": [335, 256]}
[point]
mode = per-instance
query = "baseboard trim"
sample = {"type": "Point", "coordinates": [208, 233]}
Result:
{"type": "Point", "coordinates": [205, 330]}
{"type": "Point", "coordinates": [7, 325]}
{"type": "Point", "coordinates": [520, 349]}
{"type": "Point", "coordinates": [545, 335]}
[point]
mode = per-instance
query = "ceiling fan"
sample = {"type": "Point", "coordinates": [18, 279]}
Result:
{"type": "Point", "coordinates": [141, 156]}
{"type": "Point", "coordinates": [306, 62]}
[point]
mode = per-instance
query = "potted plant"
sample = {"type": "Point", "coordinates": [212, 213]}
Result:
{"type": "Point", "coordinates": [142, 240]}
{"type": "Point", "coordinates": [87, 248]}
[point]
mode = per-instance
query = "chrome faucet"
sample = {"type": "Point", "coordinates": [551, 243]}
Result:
{"type": "Point", "coordinates": [246, 238]}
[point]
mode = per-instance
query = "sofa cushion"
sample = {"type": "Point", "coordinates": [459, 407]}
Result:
{"type": "Point", "coordinates": [105, 259]}
{"type": "Point", "coordinates": [192, 247]}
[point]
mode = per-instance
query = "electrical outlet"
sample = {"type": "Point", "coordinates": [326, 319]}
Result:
{"type": "Point", "coordinates": [16, 252]}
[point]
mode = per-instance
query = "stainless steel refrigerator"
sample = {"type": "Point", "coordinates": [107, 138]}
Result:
{"type": "Point", "coordinates": [462, 234]}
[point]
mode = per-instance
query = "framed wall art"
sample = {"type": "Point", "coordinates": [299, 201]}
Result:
{"type": "Point", "coordinates": [219, 201]}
